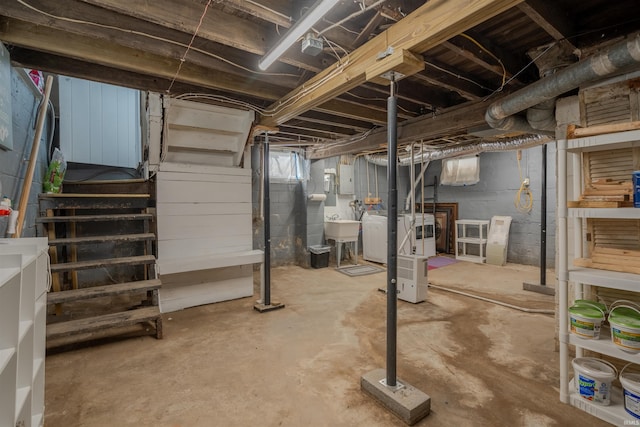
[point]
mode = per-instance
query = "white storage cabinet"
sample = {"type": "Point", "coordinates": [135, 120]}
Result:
{"type": "Point", "coordinates": [23, 301]}
{"type": "Point", "coordinates": [615, 412]}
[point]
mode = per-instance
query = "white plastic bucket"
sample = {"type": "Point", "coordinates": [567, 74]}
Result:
{"type": "Point", "coordinates": [592, 379]}
{"type": "Point", "coordinates": [585, 318]}
{"type": "Point", "coordinates": [625, 326]}
{"type": "Point", "coordinates": [631, 387]}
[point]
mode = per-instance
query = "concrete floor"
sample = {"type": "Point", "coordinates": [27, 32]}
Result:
{"type": "Point", "coordinates": [227, 365]}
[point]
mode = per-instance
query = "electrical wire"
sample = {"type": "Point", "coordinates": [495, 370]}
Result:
{"type": "Point", "coordinates": [458, 76]}
{"type": "Point", "coordinates": [193, 37]}
{"type": "Point", "coordinates": [524, 190]}
{"type": "Point", "coordinates": [477, 43]}
{"type": "Point", "coordinates": [353, 15]}
{"type": "Point", "coordinates": [158, 38]}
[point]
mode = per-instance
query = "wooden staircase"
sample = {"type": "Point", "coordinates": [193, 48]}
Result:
{"type": "Point", "coordinates": [102, 249]}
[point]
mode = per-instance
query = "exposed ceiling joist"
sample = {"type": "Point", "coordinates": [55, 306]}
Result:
{"type": "Point", "coordinates": [447, 123]}
{"type": "Point", "coordinates": [272, 11]}
{"type": "Point", "coordinates": [101, 52]}
{"type": "Point", "coordinates": [427, 26]}
{"type": "Point", "coordinates": [367, 30]}
{"type": "Point", "coordinates": [551, 18]}
{"type": "Point", "coordinates": [185, 16]}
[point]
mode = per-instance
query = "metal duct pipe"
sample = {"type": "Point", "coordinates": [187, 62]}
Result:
{"type": "Point", "coordinates": [501, 114]}
{"type": "Point", "coordinates": [503, 145]}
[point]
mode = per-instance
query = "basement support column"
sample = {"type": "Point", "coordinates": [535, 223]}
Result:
{"type": "Point", "coordinates": [403, 400]}
{"type": "Point", "coordinates": [542, 287]}
{"type": "Point", "coordinates": [265, 304]}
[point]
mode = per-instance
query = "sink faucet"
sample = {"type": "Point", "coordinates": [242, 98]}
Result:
{"type": "Point", "coordinates": [333, 217]}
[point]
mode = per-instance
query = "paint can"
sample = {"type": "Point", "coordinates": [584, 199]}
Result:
{"type": "Point", "coordinates": [635, 179]}
{"type": "Point", "coordinates": [631, 391]}
{"type": "Point", "coordinates": [625, 326]}
{"type": "Point", "coordinates": [585, 318]}
{"type": "Point", "coordinates": [592, 379]}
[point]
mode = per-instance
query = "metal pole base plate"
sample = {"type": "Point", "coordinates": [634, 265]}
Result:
{"type": "Point", "coordinates": [264, 308]}
{"type": "Point", "coordinates": [536, 287]}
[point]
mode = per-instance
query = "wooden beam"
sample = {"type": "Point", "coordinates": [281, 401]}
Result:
{"type": "Point", "coordinates": [455, 80]}
{"type": "Point", "coordinates": [274, 12]}
{"type": "Point", "coordinates": [352, 111]}
{"type": "Point", "coordinates": [551, 18]}
{"type": "Point", "coordinates": [108, 54]}
{"type": "Point", "coordinates": [456, 120]}
{"type": "Point", "coordinates": [473, 55]}
{"type": "Point", "coordinates": [216, 26]}
{"type": "Point", "coordinates": [332, 120]}
{"type": "Point", "coordinates": [428, 26]}
{"type": "Point", "coordinates": [131, 37]}
{"type": "Point", "coordinates": [368, 30]}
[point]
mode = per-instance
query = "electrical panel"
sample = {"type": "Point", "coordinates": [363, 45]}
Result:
{"type": "Point", "coordinates": [345, 179]}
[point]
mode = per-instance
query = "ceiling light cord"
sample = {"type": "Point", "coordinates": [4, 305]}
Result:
{"type": "Point", "coordinates": [527, 205]}
{"type": "Point", "coordinates": [184, 56]}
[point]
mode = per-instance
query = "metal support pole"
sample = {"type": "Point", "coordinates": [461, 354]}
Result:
{"type": "Point", "coordinates": [543, 219]}
{"type": "Point", "coordinates": [267, 224]}
{"type": "Point", "coordinates": [392, 237]}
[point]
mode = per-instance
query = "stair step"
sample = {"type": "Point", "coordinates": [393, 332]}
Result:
{"type": "Point", "coordinates": [125, 318]}
{"type": "Point", "coordinates": [93, 201]}
{"type": "Point", "coordinates": [101, 291]}
{"type": "Point", "coordinates": [102, 239]}
{"type": "Point", "coordinates": [119, 186]}
{"type": "Point", "coordinates": [94, 218]}
{"type": "Point", "coordinates": [97, 263]}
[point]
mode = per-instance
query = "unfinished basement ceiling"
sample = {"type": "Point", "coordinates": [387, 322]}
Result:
{"type": "Point", "coordinates": [473, 51]}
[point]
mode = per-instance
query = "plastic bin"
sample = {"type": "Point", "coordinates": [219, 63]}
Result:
{"type": "Point", "coordinates": [319, 256]}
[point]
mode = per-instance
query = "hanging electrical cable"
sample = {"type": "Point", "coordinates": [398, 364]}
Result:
{"type": "Point", "coordinates": [521, 205]}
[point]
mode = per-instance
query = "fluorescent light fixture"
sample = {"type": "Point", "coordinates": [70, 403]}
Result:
{"type": "Point", "coordinates": [317, 11]}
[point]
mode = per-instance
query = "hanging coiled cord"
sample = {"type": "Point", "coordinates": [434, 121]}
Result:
{"type": "Point", "coordinates": [523, 200]}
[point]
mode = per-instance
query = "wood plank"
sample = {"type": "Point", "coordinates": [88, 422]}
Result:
{"type": "Point", "coordinates": [125, 318]}
{"type": "Point", "coordinates": [202, 226]}
{"type": "Point", "coordinates": [426, 27]}
{"type": "Point", "coordinates": [588, 263]}
{"type": "Point", "coordinates": [95, 218]}
{"type": "Point", "coordinates": [599, 204]}
{"type": "Point", "coordinates": [181, 265]}
{"type": "Point", "coordinates": [102, 239]}
{"type": "Point", "coordinates": [180, 209]}
{"type": "Point", "coordinates": [617, 261]}
{"type": "Point", "coordinates": [102, 291]}
{"type": "Point", "coordinates": [108, 54]}
{"type": "Point", "coordinates": [53, 256]}
{"type": "Point", "coordinates": [620, 252]}
{"type": "Point", "coordinates": [217, 26]}
{"type": "Point", "coordinates": [99, 263]}
{"type": "Point", "coordinates": [92, 196]}
{"type": "Point", "coordinates": [602, 129]}
{"type": "Point", "coordinates": [204, 246]}
{"type": "Point", "coordinates": [189, 192]}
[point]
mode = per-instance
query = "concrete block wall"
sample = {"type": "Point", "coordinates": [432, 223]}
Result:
{"type": "Point", "coordinates": [495, 193]}
{"type": "Point", "coordinates": [13, 163]}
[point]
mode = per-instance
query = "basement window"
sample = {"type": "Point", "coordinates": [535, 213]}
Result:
{"type": "Point", "coordinates": [460, 171]}
{"type": "Point", "coordinates": [286, 166]}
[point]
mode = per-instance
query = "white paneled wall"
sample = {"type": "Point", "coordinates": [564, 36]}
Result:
{"type": "Point", "coordinates": [204, 235]}
{"type": "Point", "coordinates": [99, 123]}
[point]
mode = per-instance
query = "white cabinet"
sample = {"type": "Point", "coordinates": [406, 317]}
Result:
{"type": "Point", "coordinates": [23, 291]}
{"type": "Point", "coordinates": [614, 413]}
{"type": "Point", "coordinates": [471, 240]}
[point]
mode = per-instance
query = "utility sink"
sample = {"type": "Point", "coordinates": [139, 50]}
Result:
{"type": "Point", "coordinates": [341, 230]}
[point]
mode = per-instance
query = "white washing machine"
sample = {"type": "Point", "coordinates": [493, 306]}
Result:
{"type": "Point", "coordinates": [374, 236]}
